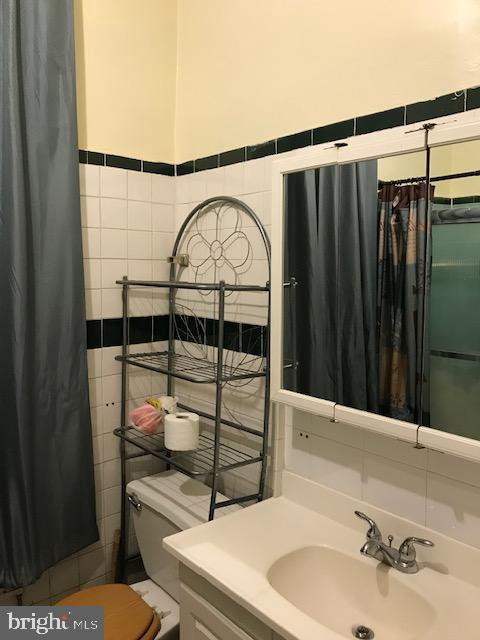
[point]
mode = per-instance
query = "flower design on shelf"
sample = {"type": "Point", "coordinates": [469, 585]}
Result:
{"type": "Point", "coordinates": [217, 246]}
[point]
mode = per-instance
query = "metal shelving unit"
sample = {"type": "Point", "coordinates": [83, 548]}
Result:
{"type": "Point", "coordinates": [203, 232]}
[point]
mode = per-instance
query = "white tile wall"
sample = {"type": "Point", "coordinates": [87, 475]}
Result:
{"type": "Point", "coordinates": [90, 211]}
{"type": "Point", "coordinates": [139, 186]}
{"type": "Point", "coordinates": [117, 219]}
{"type": "Point", "coordinates": [434, 489]}
{"type": "Point", "coordinates": [127, 223]}
{"type": "Point", "coordinates": [113, 213]}
{"type": "Point", "coordinates": [89, 180]}
{"type": "Point", "coordinates": [113, 182]}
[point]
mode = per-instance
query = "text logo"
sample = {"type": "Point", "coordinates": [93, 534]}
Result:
{"type": "Point", "coordinates": [25, 623]}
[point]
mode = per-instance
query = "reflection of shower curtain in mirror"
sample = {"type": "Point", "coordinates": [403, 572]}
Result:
{"type": "Point", "coordinates": [400, 297]}
{"type": "Point", "coordinates": [330, 248]}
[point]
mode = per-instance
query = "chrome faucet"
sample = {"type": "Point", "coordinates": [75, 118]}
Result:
{"type": "Point", "coordinates": [403, 559]}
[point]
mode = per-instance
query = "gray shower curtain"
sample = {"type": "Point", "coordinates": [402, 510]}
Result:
{"type": "Point", "coordinates": [330, 248]}
{"type": "Point", "coordinates": [47, 495]}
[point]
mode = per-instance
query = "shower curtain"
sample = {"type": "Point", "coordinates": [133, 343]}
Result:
{"type": "Point", "coordinates": [402, 259]}
{"type": "Point", "coordinates": [330, 248]}
{"type": "Point", "coordinates": [47, 496]}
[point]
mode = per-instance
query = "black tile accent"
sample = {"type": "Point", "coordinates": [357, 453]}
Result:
{"type": "Point", "coordinates": [246, 338]}
{"type": "Point", "coordinates": [442, 200]}
{"type": "Point", "coordinates": [233, 156]}
{"type": "Point", "coordinates": [189, 328]}
{"type": "Point", "coordinates": [252, 339]}
{"type": "Point", "coordinates": [112, 332]}
{"type": "Point", "coordinates": [441, 106]}
{"type": "Point", "coordinates": [466, 200]}
{"type": "Point", "coordinates": [94, 157]}
{"type": "Point", "coordinates": [232, 337]}
{"type": "Point", "coordinates": [181, 327]}
{"type": "Point", "coordinates": [82, 156]}
{"type": "Point", "coordinates": [473, 98]}
{"type": "Point", "coordinates": [140, 329]}
{"type": "Point", "coordinates": [295, 141]}
{"type": "Point", "coordinates": [185, 168]}
{"type": "Point", "coordinates": [262, 150]}
{"type": "Point", "coordinates": [211, 332]}
{"type": "Point", "coordinates": [121, 162]}
{"type": "Point", "coordinates": [94, 334]}
{"type": "Point", "coordinates": [161, 168]}
{"type": "Point", "coordinates": [209, 162]}
{"type": "Point", "coordinates": [160, 328]}
{"type": "Point", "coordinates": [332, 132]}
{"type": "Point", "coordinates": [381, 120]}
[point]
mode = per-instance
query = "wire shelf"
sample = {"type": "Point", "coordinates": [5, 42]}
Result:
{"type": "Point", "coordinates": [188, 367]}
{"type": "Point", "coordinates": [196, 463]}
{"type": "Point", "coordinates": [201, 286]}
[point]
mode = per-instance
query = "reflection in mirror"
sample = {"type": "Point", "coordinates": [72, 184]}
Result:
{"type": "Point", "coordinates": [354, 256]}
{"type": "Point", "coordinates": [452, 400]}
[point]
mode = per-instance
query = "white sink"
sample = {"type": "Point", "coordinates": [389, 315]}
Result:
{"type": "Point", "coordinates": [342, 592]}
{"type": "Point", "coordinates": [294, 563]}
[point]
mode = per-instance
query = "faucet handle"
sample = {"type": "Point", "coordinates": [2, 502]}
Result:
{"type": "Point", "coordinates": [374, 532]}
{"type": "Point", "coordinates": [407, 548]}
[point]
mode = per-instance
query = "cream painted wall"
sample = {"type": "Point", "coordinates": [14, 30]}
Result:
{"type": "Point", "coordinates": [126, 74]}
{"type": "Point", "coordinates": [447, 159]}
{"type": "Point", "coordinates": [456, 158]}
{"type": "Point", "coordinates": [171, 80]}
{"type": "Point", "coordinates": [251, 70]}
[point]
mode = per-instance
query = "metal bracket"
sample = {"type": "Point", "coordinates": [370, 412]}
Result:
{"type": "Point", "coordinates": [181, 259]}
{"type": "Point", "coordinates": [135, 502]}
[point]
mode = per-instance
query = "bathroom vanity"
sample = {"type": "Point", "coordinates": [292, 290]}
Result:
{"type": "Point", "coordinates": [302, 577]}
{"type": "Point", "coordinates": [208, 614]}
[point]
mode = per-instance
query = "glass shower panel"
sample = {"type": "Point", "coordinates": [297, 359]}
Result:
{"type": "Point", "coordinates": [455, 329]}
{"type": "Point", "coordinates": [455, 396]}
{"type": "Point", "coordinates": [455, 296]}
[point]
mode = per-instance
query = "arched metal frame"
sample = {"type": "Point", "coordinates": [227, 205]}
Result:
{"type": "Point", "coordinates": [220, 457]}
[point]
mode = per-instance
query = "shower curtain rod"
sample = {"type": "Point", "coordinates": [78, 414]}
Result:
{"type": "Point", "coordinates": [451, 176]}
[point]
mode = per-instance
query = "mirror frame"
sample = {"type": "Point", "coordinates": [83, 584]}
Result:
{"type": "Point", "coordinates": [449, 130]}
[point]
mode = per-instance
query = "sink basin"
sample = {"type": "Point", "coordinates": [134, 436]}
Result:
{"type": "Point", "coordinates": [342, 592]}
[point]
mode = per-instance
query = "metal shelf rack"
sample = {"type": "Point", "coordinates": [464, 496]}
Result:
{"type": "Point", "coordinates": [212, 365]}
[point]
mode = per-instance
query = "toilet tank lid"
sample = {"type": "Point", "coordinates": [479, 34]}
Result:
{"type": "Point", "coordinates": [181, 499]}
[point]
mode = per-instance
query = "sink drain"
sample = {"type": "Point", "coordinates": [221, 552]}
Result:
{"type": "Point", "coordinates": [364, 633]}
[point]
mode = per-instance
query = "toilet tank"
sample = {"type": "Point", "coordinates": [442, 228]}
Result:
{"type": "Point", "coordinates": [170, 502]}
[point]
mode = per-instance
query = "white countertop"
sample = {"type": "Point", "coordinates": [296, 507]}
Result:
{"type": "Point", "coordinates": [235, 553]}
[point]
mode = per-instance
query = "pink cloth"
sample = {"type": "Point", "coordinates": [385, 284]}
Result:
{"type": "Point", "coordinates": [147, 419]}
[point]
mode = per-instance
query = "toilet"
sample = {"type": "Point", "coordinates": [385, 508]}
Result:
{"type": "Point", "coordinates": [161, 505]}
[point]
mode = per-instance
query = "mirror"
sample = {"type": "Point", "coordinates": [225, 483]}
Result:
{"type": "Point", "coordinates": [452, 361]}
{"type": "Point", "coordinates": [354, 269]}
